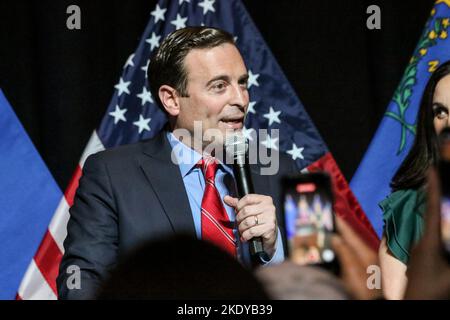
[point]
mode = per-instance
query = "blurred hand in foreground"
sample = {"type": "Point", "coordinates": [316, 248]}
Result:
{"type": "Point", "coordinates": [356, 260]}
{"type": "Point", "coordinates": [429, 272]}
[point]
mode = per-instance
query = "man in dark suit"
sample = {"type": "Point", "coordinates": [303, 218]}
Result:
{"type": "Point", "coordinates": [143, 191]}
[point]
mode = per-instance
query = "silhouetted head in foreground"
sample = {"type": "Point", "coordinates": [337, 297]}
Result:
{"type": "Point", "coordinates": [289, 281]}
{"type": "Point", "coordinates": [181, 268]}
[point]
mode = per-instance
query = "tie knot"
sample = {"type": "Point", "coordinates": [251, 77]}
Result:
{"type": "Point", "coordinates": [209, 167]}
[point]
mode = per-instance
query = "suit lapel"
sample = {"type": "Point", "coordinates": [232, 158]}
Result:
{"type": "Point", "coordinates": [165, 178]}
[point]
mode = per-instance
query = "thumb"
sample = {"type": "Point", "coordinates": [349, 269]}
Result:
{"type": "Point", "coordinates": [232, 202]}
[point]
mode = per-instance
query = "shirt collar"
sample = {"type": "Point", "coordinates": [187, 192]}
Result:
{"type": "Point", "coordinates": [187, 157]}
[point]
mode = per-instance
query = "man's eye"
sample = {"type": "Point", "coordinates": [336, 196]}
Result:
{"type": "Point", "coordinates": [219, 86]}
{"type": "Point", "coordinates": [244, 84]}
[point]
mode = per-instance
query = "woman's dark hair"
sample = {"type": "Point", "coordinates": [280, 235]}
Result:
{"type": "Point", "coordinates": [424, 152]}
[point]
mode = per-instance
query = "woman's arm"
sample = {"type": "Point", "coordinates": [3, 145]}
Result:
{"type": "Point", "coordinates": [393, 273]}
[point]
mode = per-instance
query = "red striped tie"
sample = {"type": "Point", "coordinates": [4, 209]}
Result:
{"type": "Point", "coordinates": [216, 226]}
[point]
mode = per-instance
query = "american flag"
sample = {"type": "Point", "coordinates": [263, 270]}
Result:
{"type": "Point", "coordinates": [132, 115]}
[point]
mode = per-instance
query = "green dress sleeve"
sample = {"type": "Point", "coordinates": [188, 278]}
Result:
{"type": "Point", "coordinates": [403, 212]}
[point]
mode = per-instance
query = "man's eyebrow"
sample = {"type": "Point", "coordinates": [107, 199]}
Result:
{"type": "Point", "coordinates": [243, 78]}
{"type": "Point", "coordinates": [220, 77]}
{"type": "Point", "coordinates": [226, 78]}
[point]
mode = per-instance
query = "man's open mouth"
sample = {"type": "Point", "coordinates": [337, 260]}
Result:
{"type": "Point", "coordinates": [233, 122]}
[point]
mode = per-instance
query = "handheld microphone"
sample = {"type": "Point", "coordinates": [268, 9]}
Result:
{"type": "Point", "coordinates": [237, 148]}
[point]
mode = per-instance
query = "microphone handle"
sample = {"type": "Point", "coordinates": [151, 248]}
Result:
{"type": "Point", "coordinates": [245, 186]}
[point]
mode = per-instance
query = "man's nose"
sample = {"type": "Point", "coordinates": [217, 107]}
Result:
{"type": "Point", "coordinates": [239, 96]}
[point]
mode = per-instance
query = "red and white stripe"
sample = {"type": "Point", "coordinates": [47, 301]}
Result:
{"type": "Point", "coordinates": [218, 226]}
{"type": "Point", "coordinates": [39, 282]}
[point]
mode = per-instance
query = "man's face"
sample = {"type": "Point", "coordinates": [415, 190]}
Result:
{"type": "Point", "coordinates": [217, 90]}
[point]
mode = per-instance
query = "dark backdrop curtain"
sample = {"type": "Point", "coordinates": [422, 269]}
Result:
{"type": "Point", "coordinates": [60, 81]}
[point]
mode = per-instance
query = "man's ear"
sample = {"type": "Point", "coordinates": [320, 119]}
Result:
{"type": "Point", "coordinates": [169, 99]}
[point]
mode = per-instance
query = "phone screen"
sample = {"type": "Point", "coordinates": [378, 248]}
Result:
{"type": "Point", "coordinates": [309, 219]}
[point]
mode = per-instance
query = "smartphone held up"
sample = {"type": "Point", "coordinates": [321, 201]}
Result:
{"type": "Point", "coordinates": [309, 219]}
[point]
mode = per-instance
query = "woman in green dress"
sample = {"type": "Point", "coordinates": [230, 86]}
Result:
{"type": "Point", "coordinates": [403, 210]}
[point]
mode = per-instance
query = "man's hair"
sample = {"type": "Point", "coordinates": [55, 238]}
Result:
{"type": "Point", "coordinates": [167, 63]}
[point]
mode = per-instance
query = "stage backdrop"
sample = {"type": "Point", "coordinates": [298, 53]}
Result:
{"type": "Point", "coordinates": [60, 81]}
